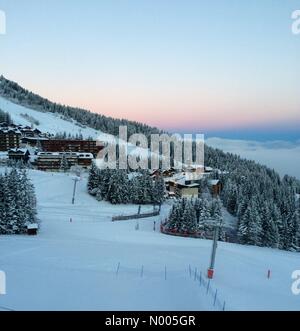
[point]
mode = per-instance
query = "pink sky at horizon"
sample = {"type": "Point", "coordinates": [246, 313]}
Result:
{"type": "Point", "coordinates": [209, 65]}
{"type": "Point", "coordinates": [197, 113]}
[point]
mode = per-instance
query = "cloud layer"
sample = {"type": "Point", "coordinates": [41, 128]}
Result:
{"type": "Point", "coordinates": [283, 156]}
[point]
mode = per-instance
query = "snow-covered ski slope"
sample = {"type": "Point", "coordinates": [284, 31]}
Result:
{"type": "Point", "coordinates": [53, 123]}
{"type": "Point", "coordinates": [48, 122]}
{"type": "Point", "coordinates": [73, 265]}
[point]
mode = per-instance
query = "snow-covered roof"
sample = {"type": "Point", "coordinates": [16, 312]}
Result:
{"type": "Point", "coordinates": [67, 154]}
{"type": "Point", "coordinates": [36, 138]}
{"type": "Point", "coordinates": [3, 155]}
{"type": "Point", "coordinates": [16, 150]}
{"type": "Point", "coordinates": [214, 182]}
{"type": "Point", "coordinates": [85, 155]}
{"type": "Point", "coordinates": [193, 176]}
{"type": "Point", "coordinates": [10, 130]}
{"type": "Point", "coordinates": [33, 226]}
{"type": "Point", "coordinates": [188, 185]}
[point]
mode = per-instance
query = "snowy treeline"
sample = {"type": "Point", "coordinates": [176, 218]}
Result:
{"type": "Point", "coordinates": [65, 135]}
{"type": "Point", "coordinates": [17, 202]}
{"type": "Point", "coordinates": [193, 215]}
{"type": "Point", "coordinates": [5, 117]}
{"type": "Point", "coordinates": [266, 206]}
{"type": "Point", "coordinates": [17, 94]}
{"type": "Point", "coordinates": [115, 186]}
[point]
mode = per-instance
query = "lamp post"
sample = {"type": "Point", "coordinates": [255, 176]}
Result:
{"type": "Point", "coordinates": [76, 179]}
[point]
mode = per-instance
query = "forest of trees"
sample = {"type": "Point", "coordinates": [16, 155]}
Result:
{"type": "Point", "coordinates": [266, 205]}
{"type": "Point", "coordinates": [17, 202]}
{"type": "Point", "coordinates": [69, 136]}
{"type": "Point", "coordinates": [195, 215]}
{"type": "Point", "coordinates": [19, 95]}
{"type": "Point", "coordinates": [5, 117]}
{"type": "Point", "coordinates": [117, 187]}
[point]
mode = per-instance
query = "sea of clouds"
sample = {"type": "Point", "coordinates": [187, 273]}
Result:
{"type": "Point", "coordinates": [283, 156]}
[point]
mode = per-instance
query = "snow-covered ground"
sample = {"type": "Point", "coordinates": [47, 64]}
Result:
{"type": "Point", "coordinates": [48, 122]}
{"type": "Point", "coordinates": [73, 265]}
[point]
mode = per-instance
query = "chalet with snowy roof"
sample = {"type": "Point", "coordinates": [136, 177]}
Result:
{"type": "Point", "coordinates": [165, 173]}
{"type": "Point", "coordinates": [181, 187]}
{"type": "Point", "coordinates": [187, 190]}
{"type": "Point", "coordinates": [216, 186]}
{"type": "Point", "coordinates": [27, 131]}
{"type": "Point", "coordinates": [19, 154]}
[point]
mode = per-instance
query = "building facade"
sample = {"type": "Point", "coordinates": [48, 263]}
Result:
{"type": "Point", "coordinates": [48, 161]}
{"type": "Point", "coordinates": [76, 146]}
{"type": "Point", "coordinates": [9, 138]}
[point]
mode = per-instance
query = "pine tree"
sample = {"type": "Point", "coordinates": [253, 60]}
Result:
{"type": "Point", "coordinates": [189, 218]}
{"type": "Point", "coordinates": [17, 202]}
{"type": "Point", "coordinates": [250, 229]}
{"type": "Point", "coordinates": [205, 211]}
{"type": "Point", "coordinates": [175, 217]}
{"type": "Point", "coordinates": [93, 179]}
{"type": "Point", "coordinates": [29, 201]}
{"type": "Point", "coordinates": [295, 231]}
{"type": "Point", "coordinates": [13, 220]}
{"type": "Point", "coordinates": [118, 187]}
{"type": "Point", "coordinates": [277, 219]}
{"type": "Point", "coordinates": [64, 164]}
{"type": "Point", "coordinates": [2, 206]}
{"type": "Point", "coordinates": [198, 207]}
{"type": "Point", "coordinates": [270, 233]}
{"type": "Point", "coordinates": [159, 190]}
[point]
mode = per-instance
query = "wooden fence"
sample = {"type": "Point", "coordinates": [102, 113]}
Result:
{"type": "Point", "coordinates": [135, 216]}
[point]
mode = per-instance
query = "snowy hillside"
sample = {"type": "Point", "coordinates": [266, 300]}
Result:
{"type": "Point", "coordinates": [53, 123]}
{"type": "Point", "coordinates": [48, 122]}
{"type": "Point", "coordinates": [74, 265]}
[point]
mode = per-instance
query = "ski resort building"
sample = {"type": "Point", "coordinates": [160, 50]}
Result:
{"type": "Point", "coordinates": [48, 161]}
{"type": "Point", "coordinates": [182, 188]}
{"type": "Point", "coordinates": [75, 146]}
{"type": "Point", "coordinates": [216, 186]}
{"type": "Point", "coordinates": [13, 136]}
{"type": "Point", "coordinates": [187, 190]}
{"type": "Point", "coordinates": [19, 154]}
{"type": "Point", "coordinates": [9, 138]}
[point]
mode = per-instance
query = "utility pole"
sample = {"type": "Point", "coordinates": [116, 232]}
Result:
{"type": "Point", "coordinates": [76, 179]}
{"type": "Point", "coordinates": [210, 271]}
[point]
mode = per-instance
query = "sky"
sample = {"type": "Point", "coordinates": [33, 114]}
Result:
{"type": "Point", "coordinates": [226, 68]}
